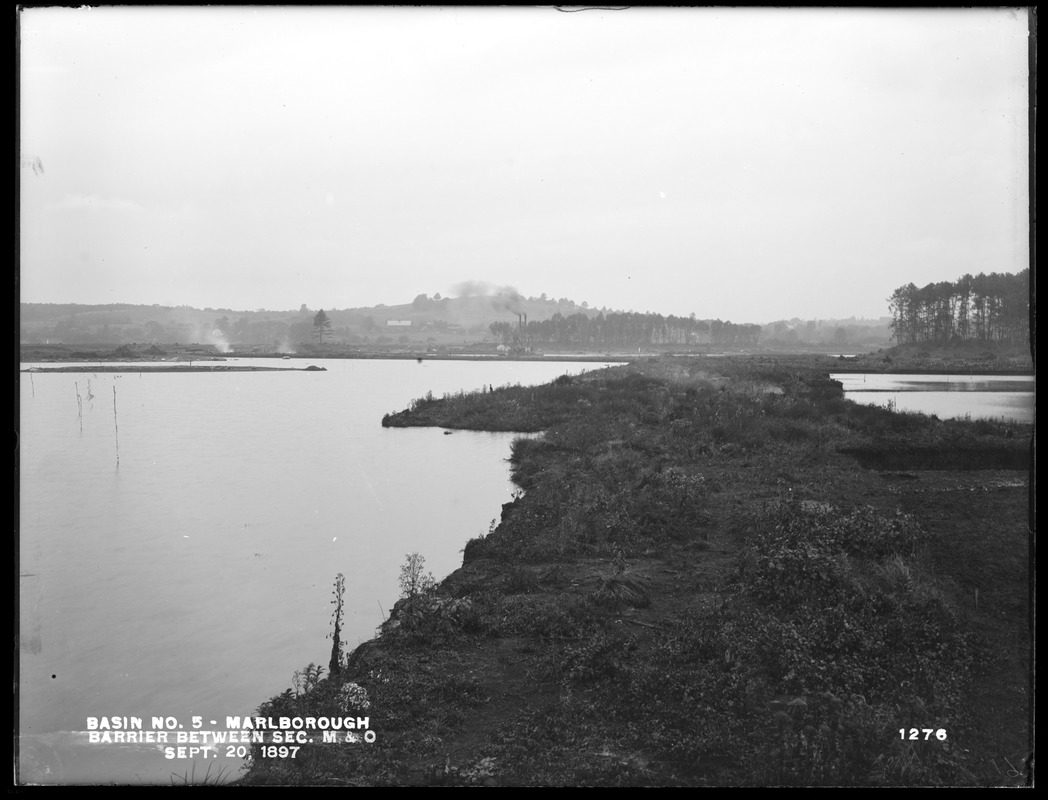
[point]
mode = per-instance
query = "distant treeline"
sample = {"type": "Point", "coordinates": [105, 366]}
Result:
{"type": "Point", "coordinates": [464, 318]}
{"type": "Point", "coordinates": [985, 308]}
{"type": "Point", "coordinates": [848, 334]}
{"type": "Point", "coordinates": [623, 329]}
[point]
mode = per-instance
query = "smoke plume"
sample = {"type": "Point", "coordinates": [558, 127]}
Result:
{"type": "Point", "coordinates": [504, 298]}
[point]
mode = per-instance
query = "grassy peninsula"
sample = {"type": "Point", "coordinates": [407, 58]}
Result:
{"type": "Point", "coordinates": [717, 572]}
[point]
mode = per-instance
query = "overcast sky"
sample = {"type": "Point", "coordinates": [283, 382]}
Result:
{"type": "Point", "coordinates": [747, 165]}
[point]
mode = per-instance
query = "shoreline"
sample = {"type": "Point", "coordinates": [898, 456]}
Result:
{"type": "Point", "coordinates": [569, 633]}
{"type": "Point", "coordinates": [150, 365]}
{"type": "Point", "coordinates": [984, 358]}
{"type": "Point", "coordinates": [171, 368]}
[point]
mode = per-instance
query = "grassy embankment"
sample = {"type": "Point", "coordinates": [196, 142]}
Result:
{"type": "Point", "coordinates": [962, 358]}
{"type": "Point", "coordinates": [699, 586]}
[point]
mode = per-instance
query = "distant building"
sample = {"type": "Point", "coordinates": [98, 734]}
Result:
{"type": "Point", "coordinates": [398, 323]}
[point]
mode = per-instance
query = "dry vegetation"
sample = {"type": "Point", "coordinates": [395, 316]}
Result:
{"type": "Point", "coordinates": [700, 585]}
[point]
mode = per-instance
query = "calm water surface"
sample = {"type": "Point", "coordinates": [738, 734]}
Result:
{"type": "Point", "coordinates": [946, 396]}
{"type": "Point", "coordinates": [177, 553]}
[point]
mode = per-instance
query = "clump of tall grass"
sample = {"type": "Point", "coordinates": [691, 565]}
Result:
{"type": "Point", "coordinates": [622, 591]}
{"type": "Point", "coordinates": [190, 778]}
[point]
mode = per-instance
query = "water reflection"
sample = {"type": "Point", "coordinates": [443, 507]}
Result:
{"type": "Point", "coordinates": [946, 396]}
{"type": "Point", "coordinates": [195, 576]}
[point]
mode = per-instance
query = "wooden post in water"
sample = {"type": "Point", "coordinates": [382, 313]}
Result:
{"type": "Point", "coordinates": [116, 428]}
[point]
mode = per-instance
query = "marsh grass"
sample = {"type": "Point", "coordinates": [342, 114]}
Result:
{"type": "Point", "coordinates": [219, 777]}
{"type": "Point", "coordinates": [826, 629]}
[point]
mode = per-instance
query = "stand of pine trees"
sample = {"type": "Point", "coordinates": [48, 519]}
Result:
{"type": "Point", "coordinates": [985, 308]}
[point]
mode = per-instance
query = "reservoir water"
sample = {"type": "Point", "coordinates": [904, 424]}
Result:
{"type": "Point", "coordinates": [1008, 397]}
{"type": "Point", "coordinates": [180, 534]}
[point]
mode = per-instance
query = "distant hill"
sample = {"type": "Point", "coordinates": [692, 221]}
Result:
{"type": "Point", "coordinates": [437, 317]}
{"type": "Point", "coordinates": [497, 318]}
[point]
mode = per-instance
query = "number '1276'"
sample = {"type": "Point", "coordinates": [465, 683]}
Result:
{"type": "Point", "coordinates": [917, 734]}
